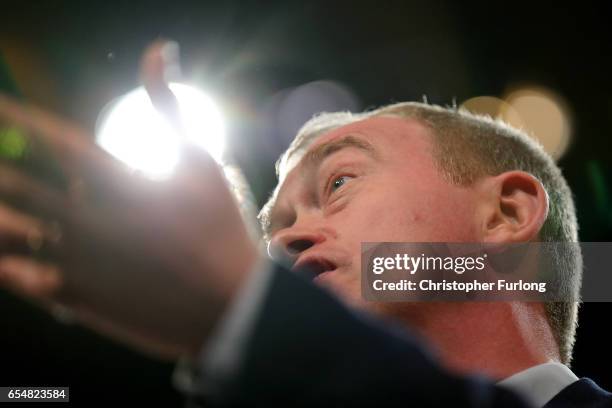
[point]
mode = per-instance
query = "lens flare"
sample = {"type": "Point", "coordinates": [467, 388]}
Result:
{"type": "Point", "coordinates": [132, 130]}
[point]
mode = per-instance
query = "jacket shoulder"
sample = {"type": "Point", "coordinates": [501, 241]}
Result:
{"type": "Point", "coordinates": [582, 393]}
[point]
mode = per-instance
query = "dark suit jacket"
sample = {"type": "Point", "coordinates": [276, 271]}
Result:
{"type": "Point", "coordinates": [309, 350]}
{"type": "Point", "coordinates": [583, 393]}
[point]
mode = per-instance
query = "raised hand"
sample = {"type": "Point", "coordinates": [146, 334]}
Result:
{"type": "Point", "coordinates": [151, 263]}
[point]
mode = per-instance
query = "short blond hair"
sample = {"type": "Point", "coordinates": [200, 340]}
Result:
{"type": "Point", "coordinates": [467, 147]}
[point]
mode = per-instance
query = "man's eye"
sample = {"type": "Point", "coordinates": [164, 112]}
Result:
{"type": "Point", "coordinates": [339, 182]}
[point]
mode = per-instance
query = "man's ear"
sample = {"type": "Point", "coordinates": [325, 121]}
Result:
{"type": "Point", "coordinates": [515, 209]}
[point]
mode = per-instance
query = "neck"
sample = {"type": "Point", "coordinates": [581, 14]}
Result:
{"type": "Point", "coordinates": [497, 339]}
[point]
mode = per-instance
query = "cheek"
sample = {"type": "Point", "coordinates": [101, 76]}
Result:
{"type": "Point", "coordinates": [434, 213]}
{"type": "Point", "coordinates": [446, 215]}
{"type": "Point", "coordinates": [400, 214]}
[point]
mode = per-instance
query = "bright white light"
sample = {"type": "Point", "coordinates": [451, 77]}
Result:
{"type": "Point", "coordinates": [135, 133]}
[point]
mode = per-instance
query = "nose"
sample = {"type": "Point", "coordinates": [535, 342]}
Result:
{"type": "Point", "coordinates": [288, 244]}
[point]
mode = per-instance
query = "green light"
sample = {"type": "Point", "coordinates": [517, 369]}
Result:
{"type": "Point", "coordinates": [598, 183]}
{"type": "Point", "coordinates": [13, 143]}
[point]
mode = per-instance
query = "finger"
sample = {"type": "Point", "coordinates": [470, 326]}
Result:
{"type": "Point", "coordinates": [29, 278]}
{"type": "Point", "coordinates": [73, 147]}
{"type": "Point", "coordinates": [72, 140]}
{"type": "Point", "coordinates": [21, 234]}
{"type": "Point", "coordinates": [160, 61]}
{"type": "Point", "coordinates": [23, 192]}
{"type": "Point", "coordinates": [15, 223]}
{"type": "Point", "coordinates": [197, 164]}
{"type": "Point", "coordinates": [29, 155]}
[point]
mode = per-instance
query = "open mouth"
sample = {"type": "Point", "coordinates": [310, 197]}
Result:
{"type": "Point", "coordinates": [313, 268]}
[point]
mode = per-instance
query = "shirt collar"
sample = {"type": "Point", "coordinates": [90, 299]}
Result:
{"type": "Point", "coordinates": [539, 384]}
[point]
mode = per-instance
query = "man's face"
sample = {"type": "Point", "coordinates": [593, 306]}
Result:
{"type": "Point", "coordinates": [370, 181]}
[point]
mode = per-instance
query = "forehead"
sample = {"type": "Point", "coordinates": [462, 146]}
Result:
{"type": "Point", "coordinates": [388, 135]}
{"type": "Point", "coordinates": [392, 137]}
{"type": "Point", "coordinates": [382, 132]}
{"type": "Point", "coordinates": [384, 128]}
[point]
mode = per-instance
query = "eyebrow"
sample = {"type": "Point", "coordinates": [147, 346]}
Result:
{"type": "Point", "coordinates": [316, 156]}
{"type": "Point", "coordinates": [313, 159]}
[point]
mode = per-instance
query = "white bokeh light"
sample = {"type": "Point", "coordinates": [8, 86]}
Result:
{"type": "Point", "coordinates": [135, 133]}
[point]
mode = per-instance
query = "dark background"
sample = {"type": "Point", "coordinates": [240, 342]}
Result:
{"type": "Point", "coordinates": [74, 57]}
